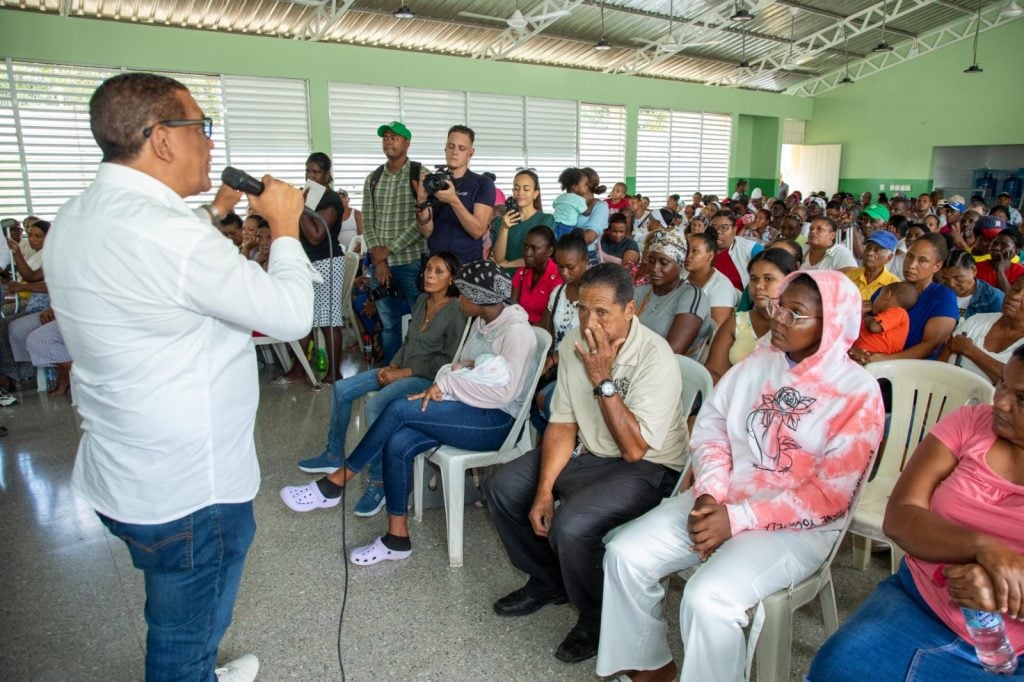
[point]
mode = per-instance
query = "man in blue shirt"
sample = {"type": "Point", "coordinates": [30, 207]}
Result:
{"type": "Point", "coordinates": [466, 206]}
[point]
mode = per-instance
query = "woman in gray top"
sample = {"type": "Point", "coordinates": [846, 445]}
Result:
{"type": "Point", "coordinates": [434, 333]}
{"type": "Point", "coordinates": [670, 306]}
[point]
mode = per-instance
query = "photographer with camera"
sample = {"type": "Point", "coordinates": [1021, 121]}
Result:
{"type": "Point", "coordinates": [522, 214]}
{"type": "Point", "coordinates": [462, 202]}
{"type": "Point", "coordinates": [394, 231]}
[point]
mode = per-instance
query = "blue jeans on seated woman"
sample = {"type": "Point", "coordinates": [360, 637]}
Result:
{"type": "Point", "coordinates": [895, 635]}
{"type": "Point", "coordinates": [404, 431]}
{"type": "Point", "coordinates": [351, 389]}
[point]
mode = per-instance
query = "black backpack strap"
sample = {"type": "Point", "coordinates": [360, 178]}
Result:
{"type": "Point", "coordinates": [415, 168]}
{"type": "Point", "coordinates": [374, 179]}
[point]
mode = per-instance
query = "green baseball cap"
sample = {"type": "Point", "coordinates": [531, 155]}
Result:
{"type": "Point", "coordinates": [878, 212]}
{"type": "Point", "coordinates": [397, 127]}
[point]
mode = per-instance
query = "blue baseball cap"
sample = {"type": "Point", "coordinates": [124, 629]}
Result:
{"type": "Point", "coordinates": [884, 239]}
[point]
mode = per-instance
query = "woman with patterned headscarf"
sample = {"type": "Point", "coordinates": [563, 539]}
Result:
{"type": "Point", "coordinates": [670, 306]}
{"type": "Point", "coordinates": [471, 404]}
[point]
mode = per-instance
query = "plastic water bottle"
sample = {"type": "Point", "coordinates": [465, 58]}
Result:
{"type": "Point", "coordinates": [367, 349]}
{"type": "Point", "coordinates": [321, 360]}
{"type": "Point", "coordinates": [989, 636]}
{"type": "Point", "coordinates": [51, 378]}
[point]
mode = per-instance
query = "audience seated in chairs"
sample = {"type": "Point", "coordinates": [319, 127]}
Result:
{"type": "Point", "coordinates": [935, 314]}
{"type": "Point", "coordinates": [984, 342]}
{"type": "Point", "coordinates": [612, 450]}
{"type": "Point", "coordinates": [702, 248]}
{"type": "Point", "coordinates": [778, 453]}
{"type": "Point", "coordinates": [560, 318]}
{"type": "Point", "coordinates": [957, 510]}
{"type": "Point", "coordinates": [740, 333]}
{"type": "Point", "coordinates": [973, 294]}
{"type": "Point", "coordinates": [470, 405]}
{"type": "Point", "coordinates": [32, 290]}
{"type": "Point", "coordinates": [616, 244]}
{"type": "Point", "coordinates": [434, 334]}
{"type": "Point", "coordinates": [670, 306]}
{"type": "Point", "coordinates": [533, 283]}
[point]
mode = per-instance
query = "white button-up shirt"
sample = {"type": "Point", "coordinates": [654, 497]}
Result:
{"type": "Point", "coordinates": [157, 309]}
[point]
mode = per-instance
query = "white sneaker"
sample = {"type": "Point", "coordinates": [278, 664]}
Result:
{"type": "Point", "coordinates": [242, 669]}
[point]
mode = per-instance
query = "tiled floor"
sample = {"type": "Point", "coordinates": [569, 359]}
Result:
{"type": "Point", "coordinates": [72, 605]}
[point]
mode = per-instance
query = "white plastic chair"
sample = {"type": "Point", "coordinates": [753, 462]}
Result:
{"type": "Point", "coordinates": [696, 381]}
{"type": "Point", "coordinates": [770, 640]}
{"type": "Point", "coordinates": [701, 356]}
{"type": "Point", "coordinates": [923, 391]}
{"type": "Point", "coordinates": [454, 462]}
{"type": "Point", "coordinates": [348, 314]}
{"type": "Point", "coordinates": [357, 240]}
{"type": "Point", "coordinates": [280, 350]}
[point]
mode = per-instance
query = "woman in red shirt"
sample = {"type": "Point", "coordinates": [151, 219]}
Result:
{"type": "Point", "coordinates": [532, 284]}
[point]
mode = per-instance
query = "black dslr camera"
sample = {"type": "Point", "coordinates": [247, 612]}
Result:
{"type": "Point", "coordinates": [438, 180]}
{"type": "Point", "coordinates": [382, 291]}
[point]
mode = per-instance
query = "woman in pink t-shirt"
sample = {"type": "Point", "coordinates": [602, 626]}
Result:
{"type": "Point", "coordinates": [958, 511]}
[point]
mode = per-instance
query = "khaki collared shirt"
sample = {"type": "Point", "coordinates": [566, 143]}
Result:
{"type": "Point", "coordinates": [647, 378]}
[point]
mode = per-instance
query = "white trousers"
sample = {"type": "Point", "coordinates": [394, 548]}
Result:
{"type": "Point", "coordinates": [744, 570]}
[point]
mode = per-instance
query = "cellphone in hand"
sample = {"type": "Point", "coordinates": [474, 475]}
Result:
{"type": "Point", "coordinates": [512, 206]}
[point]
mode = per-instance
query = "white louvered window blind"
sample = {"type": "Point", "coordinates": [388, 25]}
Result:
{"type": "Point", "coordinates": [356, 112]}
{"type": "Point", "coordinates": [429, 114]}
{"type": "Point", "coordinates": [267, 126]}
{"type": "Point", "coordinates": [48, 155]}
{"type": "Point", "coordinates": [550, 142]}
{"type": "Point", "coordinates": [602, 141]}
{"type": "Point", "coordinates": [497, 121]}
{"type": "Point", "coordinates": [681, 152]}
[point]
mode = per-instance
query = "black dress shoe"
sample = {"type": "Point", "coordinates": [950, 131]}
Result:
{"type": "Point", "coordinates": [521, 603]}
{"type": "Point", "coordinates": [579, 645]}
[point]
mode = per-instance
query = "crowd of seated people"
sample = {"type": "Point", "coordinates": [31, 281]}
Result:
{"type": "Point", "coordinates": [783, 299]}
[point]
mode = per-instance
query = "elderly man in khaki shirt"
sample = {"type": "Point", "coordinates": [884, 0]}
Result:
{"type": "Point", "coordinates": [614, 447]}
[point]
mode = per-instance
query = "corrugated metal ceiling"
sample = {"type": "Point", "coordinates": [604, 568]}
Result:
{"type": "Point", "coordinates": [566, 41]}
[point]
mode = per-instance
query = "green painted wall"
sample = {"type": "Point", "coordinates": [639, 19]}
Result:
{"type": "Point", "coordinates": [757, 145]}
{"type": "Point", "coordinates": [889, 123]}
{"type": "Point", "coordinates": [49, 38]}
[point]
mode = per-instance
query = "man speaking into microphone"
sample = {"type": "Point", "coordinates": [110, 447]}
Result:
{"type": "Point", "coordinates": [157, 310]}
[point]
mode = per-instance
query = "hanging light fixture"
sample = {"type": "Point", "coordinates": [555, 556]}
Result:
{"type": "Point", "coordinates": [883, 46]}
{"type": "Point", "coordinates": [1011, 11]}
{"type": "Point", "coordinates": [974, 68]}
{"type": "Point", "coordinates": [741, 14]}
{"type": "Point", "coordinates": [602, 45]}
{"type": "Point", "coordinates": [846, 80]}
{"type": "Point", "coordinates": [403, 12]}
{"type": "Point", "coordinates": [744, 64]}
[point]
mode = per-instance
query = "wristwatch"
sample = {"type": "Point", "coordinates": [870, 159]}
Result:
{"type": "Point", "coordinates": [605, 389]}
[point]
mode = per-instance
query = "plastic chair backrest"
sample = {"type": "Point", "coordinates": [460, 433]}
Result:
{"type": "Point", "coordinates": [696, 380]}
{"type": "Point", "coordinates": [358, 239]}
{"type": "Point", "coordinates": [543, 341]}
{"type": "Point", "coordinates": [701, 356]}
{"type": "Point", "coordinates": [351, 268]}
{"type": "Point", "coordinates": [923, 391]}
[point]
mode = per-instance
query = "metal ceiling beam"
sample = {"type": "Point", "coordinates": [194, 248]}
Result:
{"type": "Point", "coordinates": [953, 32]}
{"type": "Point", "coordinates": [510, 39]}
{"type": "Point", "coordinates": [322, 19]}
{"type": "Point", "coordinates": [838, 17]}
{"type": "Point", "coordinates": [868, 19]}
{"type": "Point", "coordinates": [644, 58]}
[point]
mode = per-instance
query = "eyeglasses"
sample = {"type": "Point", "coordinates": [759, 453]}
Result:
{"type": "Point", "coordinates": [526, 168]}
{"type": "Point", "coordinates": [785, 316]}
{"type": "Point", "coordinates": [206, 122]}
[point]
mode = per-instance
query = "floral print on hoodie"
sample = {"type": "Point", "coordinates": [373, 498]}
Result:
{"type": "Point", "coordinates": [786, 447]}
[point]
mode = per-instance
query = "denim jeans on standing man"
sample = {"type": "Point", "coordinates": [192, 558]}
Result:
{"type": "Point", "coordinates": [404, 430]}
{"type": "Point", "coordinates": [390, 307]}
{"type": "Point", "coordinates": [348, 391]}
{"type": "Point", "coordinates": [192, 568]}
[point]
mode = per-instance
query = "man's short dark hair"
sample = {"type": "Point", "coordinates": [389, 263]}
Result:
{"type": "Point", "coordinates": [465, 130]}
{"type": "Point", "coordinates": [233, 219]}
{"type": "Point", "coordinates": [124, 105]}
{"type": "Point", "coordinates": [617, 218]}
{"type": "Point", "coordinates": [610, 275]}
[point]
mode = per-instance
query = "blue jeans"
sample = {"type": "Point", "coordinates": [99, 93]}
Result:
{"type": "Point", "coordinates": [895, 635]}
{"type": "Point", "coordinates": [404, 431]}
{"type": "Point", "coordinates": [354, 387]}
{"type": "Point", "coordinates": [192, 567]}
{"type": "Point", "coordinates": [390, 308]}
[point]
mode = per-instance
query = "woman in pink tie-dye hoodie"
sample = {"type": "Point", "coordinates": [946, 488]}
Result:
{"type": "Point", "coordinates": [778, 454]}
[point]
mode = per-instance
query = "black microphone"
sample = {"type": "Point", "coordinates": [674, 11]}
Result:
{"type": "Point", "coordinates": [243, 182]}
